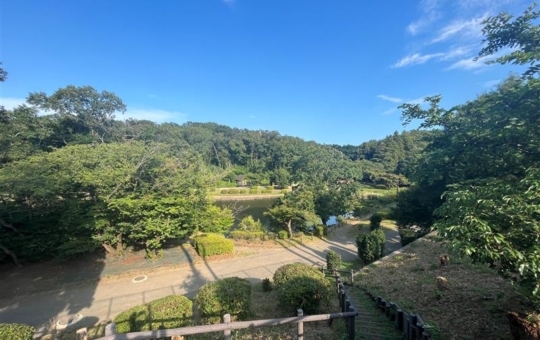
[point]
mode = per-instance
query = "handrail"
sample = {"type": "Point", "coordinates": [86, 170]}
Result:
{"type": "Point", "coordinates": [223, 326]}
{"type": "Point", "coordinates": [348, 312]}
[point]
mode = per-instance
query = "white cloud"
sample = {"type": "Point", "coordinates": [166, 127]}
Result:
{"type": "Point", "coordinates": [417, 100]}
{"type": "Point", "coordinates": [471, 29]}
{"type": "Point", "coordinates": [390, 99]}
{"type": "Point", "coordinates": [153, 114]}
{"type": "Point", "coordinates": [430, 14]}
{"type": "Point", "coordinates": [11, 103]}
{"type": "Point", "coordinates": [471, 63]}
{"type": "Point", "coordinates": [416, 59]}
{"type": "Point", "coordinates": [388, 112]}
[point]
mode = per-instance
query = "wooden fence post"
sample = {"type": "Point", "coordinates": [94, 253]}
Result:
{"type": "Point", "coordinates": [399, 320]}
{"type": "Point", "coordinates": [414, 320]}
{"type": "Point", "coordinates": [227, 332]}
{"type": "Point", "coordinates": [300, 333]}
{"type": "Point", "coordinates": [352, 325]}
{"type": "Point", "coordinates": [110, 329]}
{"type": "Point", "coordinates": [82, 334]}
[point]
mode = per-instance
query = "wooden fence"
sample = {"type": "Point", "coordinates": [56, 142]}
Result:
{"type": "Point", "coordinates": [348, 312]}
{"type": "Point", "coordinates": [411, 325]}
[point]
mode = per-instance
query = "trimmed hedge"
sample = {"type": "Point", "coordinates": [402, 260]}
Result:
{"type": "Point", "coordinates": [247, 235]}
{"type": "Point", "coordinates": [233, 191]}
{"type": "Point", "coordinates": [293, 270]}
{"type": "Point", "coordinates": [309, 293]}
{"type": "Point", "coordinates": [375, 221]}
{"type": "Point", "coordinates": [16, 331]}
{"type": "Point", "coordinates": [321, 230]}
{"type": "Point", "coordinates": [253, 191]}
{"type": "Point", "coordinates": [213, 244]}
{"type": "Point", "coordinates": [242, 191]}
{"type": "Point", "coordinates": [266, 191]}
{"type": "Point", "coordinates": [231, 295]}
{"type": "Point", "coordinates": [371, 246]}
{"type": "Point", "coordinates": [172, 311]}
{"type": "Point", "coordinates": [333, 260]}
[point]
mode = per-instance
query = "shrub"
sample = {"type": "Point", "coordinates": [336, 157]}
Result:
{"type": "Point", "coordinates": [381, 238]}
{"type": "Point", "coordinates": [250, 224]}
{"type": "Point", "coordinates": [368, 248]}
{"type": "Point", "coordinates": [308, 293]}
{"type": "Point", "coordinates": [333, 260]}
{"type": "Point", "coordinates": [375, 221]}
{"type": "Point", "coordinates": [321, 230]}
{"type": "Point", "coordinates": [242, 191]}
{"type": "Point", "coordinates": [284, 191]}
{"type": "Point", "coordinates": [253, 191]}
{"type": "Point", "coordinates": [246, 235]}
{"type": "Point", "coordinates": [292, 270]}
{"type": "Point", "coordinates": [283, 234]}
{"type": "Point", "coordinates": [231, 295]}
{"type": "Point", "coordinates": [224, 191]}
{"type": "Point", "coordinates": [269, 187]}
{"type": "Point", "coordinates": [213, 244]}
{"type": "Point", "coordinates": [169, 312]}
{"type": "Point", "coordinates": [266, 191]}
{"type": "Point", "coordinates": [16, 331]}
{"type": "Point", "coordinates": [233, 191]}
{"type": "Point", "coordinates": [266, 285]}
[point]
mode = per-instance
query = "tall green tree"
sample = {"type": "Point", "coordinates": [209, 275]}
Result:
{"type": "Point", "coordinates": [293, 211]}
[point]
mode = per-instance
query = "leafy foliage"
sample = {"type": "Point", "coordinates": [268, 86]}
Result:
{"type": "Point", "coordinates": [333, 260]}
{"type": "Point", "coordinates": [292, 270]}
{"type": "Point", "coordinates": [173, 311]}
{"type": "Point", "coordinates": [310, 294]}
{"type": "Point", "coordinates": [371, 246]}
{"type": "Point", "coordinates": [375, 221]}
{"type": "Point", "coordinates": [227, 296]}
{"type": "Point", "coordinates": [251, 225]}
{"type": "Point", "coordinates": [14, 331]}
{"type": "Point", "coordinates": [246, 235]}
{"type": "Point", "coordinates": [213, 244]}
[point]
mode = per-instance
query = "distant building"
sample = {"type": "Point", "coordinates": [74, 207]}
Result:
{"type": "Point", "coordinates": [241, 181]}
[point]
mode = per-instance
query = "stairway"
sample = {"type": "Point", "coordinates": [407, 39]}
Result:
{"type": "Point", "coordinates": [371, 324]}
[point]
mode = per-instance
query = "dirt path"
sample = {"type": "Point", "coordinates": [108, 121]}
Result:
{"type": "Point", "coordinates": [100, 301]}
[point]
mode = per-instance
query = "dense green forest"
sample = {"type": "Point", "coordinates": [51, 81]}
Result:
{"type": "Point", "coordinates": [77, 179]}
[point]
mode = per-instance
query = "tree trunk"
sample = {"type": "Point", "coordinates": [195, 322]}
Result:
{"type": "Point", "coordinates": [12, 255]}
{"type": "Point", "coordinates": [108, 248]}
{"type": "Point", "coordinates": [289, 228]}
{"type": "Point", "coordinates": [523, 329]}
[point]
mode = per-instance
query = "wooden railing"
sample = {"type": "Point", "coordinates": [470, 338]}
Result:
{"type": "Point", "coordinates": [412, 326]}
{"type": "Point", "coordinates": [348, 312]}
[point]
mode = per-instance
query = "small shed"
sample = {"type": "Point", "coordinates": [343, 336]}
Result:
{"type": "Point", "coordinates": [241, 181]}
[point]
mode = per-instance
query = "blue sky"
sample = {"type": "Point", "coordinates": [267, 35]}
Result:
{"type": "Point", "coordinates": [329, 71]}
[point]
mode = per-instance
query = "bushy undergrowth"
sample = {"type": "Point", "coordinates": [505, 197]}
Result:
{"type": "Point", "coordinates": [333, 260]}
{"type": "Point", "coordinates": [15, 331]}
{"type": "Point", "coordinates": [371, 246]}
{"type": "Point", "coordinates": [227, 296]}
{"type": "Point", "coordinates": [375, 221]}
{"type": "Point", "coordinates": [282, 234]}
{"type": "Point", "coordinates": [213, 244]}
{"type": "Point", "coordinates": [302, 286]}
{"type": "Point", "coordinates": [246, 235]}
{"type": "Point", "coordinates": [292, 270]}
{"type": "Point", "coordinates": [169, 312]}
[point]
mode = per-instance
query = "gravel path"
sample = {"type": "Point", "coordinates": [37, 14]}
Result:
{"type": "Point", "coordinates": [101, 301]}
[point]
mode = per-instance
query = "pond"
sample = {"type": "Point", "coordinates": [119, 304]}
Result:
{"type": "Point", "coordinates": [255, 208]}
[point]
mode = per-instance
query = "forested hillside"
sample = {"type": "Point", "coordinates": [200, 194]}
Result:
{"type": "Point", "coordinates": [74, 178]}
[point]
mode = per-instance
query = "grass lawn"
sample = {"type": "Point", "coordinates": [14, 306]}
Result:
{"type": "Point", "coordinates": [472, 306]}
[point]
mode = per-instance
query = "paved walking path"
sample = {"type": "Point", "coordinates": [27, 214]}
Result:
{"type": "Point", "coordinates": [101, 301]}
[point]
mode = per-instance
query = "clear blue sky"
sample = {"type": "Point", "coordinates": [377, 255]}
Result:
{"type": "Point", "coordinates": [329, 71]}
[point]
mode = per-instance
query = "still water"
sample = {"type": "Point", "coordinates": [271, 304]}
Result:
{"type": "Point", "coordinates": [255, 208]}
